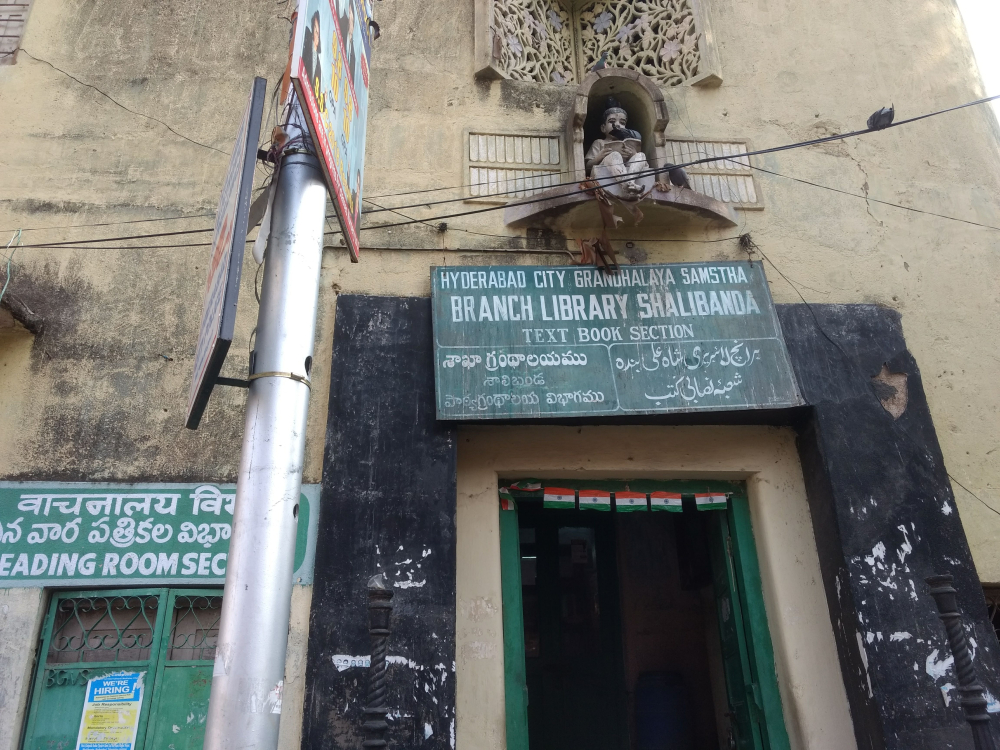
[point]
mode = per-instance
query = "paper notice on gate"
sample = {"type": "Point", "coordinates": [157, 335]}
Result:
{"type": "Point", "coordinates": [111, 712]}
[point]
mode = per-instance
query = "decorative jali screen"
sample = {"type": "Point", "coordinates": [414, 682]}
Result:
{"type": "Point", "coordinates": [541, 341]}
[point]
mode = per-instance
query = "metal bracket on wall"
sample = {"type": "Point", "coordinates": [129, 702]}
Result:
{"type": "Point", "coordinates": [235, 382]}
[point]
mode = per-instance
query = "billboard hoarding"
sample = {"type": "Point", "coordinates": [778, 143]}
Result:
{"type": "Point", "coordinates": [228, 243]}
{"type": "Point", "coordinates": [329, 68]}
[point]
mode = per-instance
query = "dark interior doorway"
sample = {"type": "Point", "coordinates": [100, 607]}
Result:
{"type": "Point", "coordinates": [629, 628]}
{"type": "Point", "coordinates": [621, 648]}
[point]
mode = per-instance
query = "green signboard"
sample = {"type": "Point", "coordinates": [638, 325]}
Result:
{"type": "Point", "coordinates": [554, 341]}
{"type": "Point", "coordinates": [75, 534]}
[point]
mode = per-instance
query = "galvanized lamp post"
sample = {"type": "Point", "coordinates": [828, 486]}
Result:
{"type": "Point", "coordinates": [379, 612]}
{"type": "Point", "coordinates": [971, 698]}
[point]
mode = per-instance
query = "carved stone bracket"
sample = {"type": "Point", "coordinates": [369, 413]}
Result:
{"type": "Point", "coordinates": [569, 208]}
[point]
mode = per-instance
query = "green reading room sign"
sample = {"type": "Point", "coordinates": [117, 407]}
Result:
{"type": "Point", "coordinates": [80, 534]}
{"type": "Point", "coordinates": [552, 341]}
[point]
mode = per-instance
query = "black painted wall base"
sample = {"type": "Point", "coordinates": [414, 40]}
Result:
{"type": "Point", "coordinates": [885, 519]}
{"type": "Point", "coordinates": [388, 505]}
{"type": "Point", "coordinates": [881, 503]}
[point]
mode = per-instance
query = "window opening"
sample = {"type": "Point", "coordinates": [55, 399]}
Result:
{"type": "Point", "coordinates": [561, 41]}
{"type": "Point", "coordinates": [103, 629]}
{"type": "Point", "coordinates": [194, 631]}
{"type": "Point", "coordinates": [13, 17]}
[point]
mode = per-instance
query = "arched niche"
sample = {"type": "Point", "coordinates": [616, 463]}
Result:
{"type": "Point", "coordinates": [641, 99]}
{"type": "Point", "coordinates": [569, 209]}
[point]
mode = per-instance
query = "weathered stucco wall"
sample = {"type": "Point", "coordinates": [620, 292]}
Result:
{"type": "Point", "coordinates": [812, 689]}
{"type": "Point", "coordinates": [109, 377]}
{"type": "Point", "coordinates": [21, 612]}
{"type": "Point", "coordinates": [100, 394]}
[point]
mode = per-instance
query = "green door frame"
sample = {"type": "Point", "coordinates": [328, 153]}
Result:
{"type": "Point", "coordinates": [153, 666]}
{"type": "Point", "coordinates": [734, 526]}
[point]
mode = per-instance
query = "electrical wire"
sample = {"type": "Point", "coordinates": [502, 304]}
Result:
{"type": "Point", "coordinates": [710, 159]}
{"type": "Point", "coordinates": [857, 368]}
{"type": "Point", "coordinates": [10, 258]}
{"type": "Point", "coordinates": [429, 221]}
{"type": "Point", "coordinates": [660, 170]}
{"type": "Point", "coordinates": [110, 223]}
{"type": "Point", "coordinates": [119, 104]}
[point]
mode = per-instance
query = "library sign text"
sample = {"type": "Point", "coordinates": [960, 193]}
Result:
{"type": "Point", "coordinates": [541, 341]}
{"type": "Point", "coordinates": [76, 534]}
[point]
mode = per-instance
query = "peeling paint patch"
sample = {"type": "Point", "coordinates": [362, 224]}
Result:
{"type": "Point", "coordinates": [992, 704]}
{"type": "Point", "coordinates": [946, 508]}
{"type": "Point", "coordinates": [901, 635]}
{"type": "Point", "coordinates": [945, 690]}
{"type": "Point", "coordinates": [427, 731]}
{"type": "Point", "coordinates": [403, 661]}
{"type": "Point", "coordinates": [409, 584]}
{"type": "Point", "coordinates": [935, 668]}
{"type": "Point", "coordinates": [864, 661]}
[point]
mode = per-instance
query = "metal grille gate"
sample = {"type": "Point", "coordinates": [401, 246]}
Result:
{"type": "Point", "coordinates": [168, 634]}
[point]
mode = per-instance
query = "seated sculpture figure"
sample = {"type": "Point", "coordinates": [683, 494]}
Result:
{"type": "Point", "coordinates": [618, 155]}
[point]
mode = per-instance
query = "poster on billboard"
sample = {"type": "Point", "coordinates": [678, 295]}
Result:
{"type": "Point", "coordinates": [329, 67]}
{"type": "Point", "coordinates": [226, 261]}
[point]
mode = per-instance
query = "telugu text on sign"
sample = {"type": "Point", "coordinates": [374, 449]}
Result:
{"type": "Point", "coordinates": [524, 341]}
{"type": "Point", "coordinates": [72, 534]}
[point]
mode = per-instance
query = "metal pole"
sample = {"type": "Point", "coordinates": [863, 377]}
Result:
{"type": "Point", "coordinates": [970, 692]}
{"type": "Point", "coordinates": [379, 613]}
{"type": "Point", "coordinates": [248, 678]}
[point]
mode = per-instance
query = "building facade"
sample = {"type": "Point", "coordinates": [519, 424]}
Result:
{"type": "Point", "coordinates": [795, 617]}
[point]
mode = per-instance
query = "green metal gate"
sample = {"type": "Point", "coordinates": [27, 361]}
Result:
{"type": "Point", "coordinates": [168, 634]}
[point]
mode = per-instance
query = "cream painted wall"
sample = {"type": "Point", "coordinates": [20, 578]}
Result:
{"type": "Point", "coordinates": [100, 395]}
{"type": "Point", "coordinates": [21, 614]}
{"type": "Point", "coordinates": [109, 378]}
{"type": "Point", "coordinates": [809, 677]}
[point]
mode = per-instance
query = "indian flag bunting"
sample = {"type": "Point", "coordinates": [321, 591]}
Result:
{"type": "Point", "coordinates": [559, 497]}
{"type": "Point", "coordinates": [506, 500]}
{"type": "Point", "coordinates": [626, 502]}
{"type": "Point", "coordinates": [527, 485]}
{"type": "Point", "coordinates": [710, 501]}
{"type": "Point", "coordinates": [595, 500]}
{"type": "Point", "coordinates": [670, 501]}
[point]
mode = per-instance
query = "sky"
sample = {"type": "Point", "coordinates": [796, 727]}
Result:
{"type": "Point", "coordinates": [982, 20]}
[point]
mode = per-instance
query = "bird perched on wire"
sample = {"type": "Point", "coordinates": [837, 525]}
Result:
{"type": "Point", "coordinates": [678, 177]}
{"type": "Point", "coordinates": [882, 119]}
{"type": "Point", "coordinates": [602, 61]}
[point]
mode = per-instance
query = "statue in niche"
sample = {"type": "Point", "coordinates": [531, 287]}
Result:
{"type": "Point", "coordinates": [616, 161]}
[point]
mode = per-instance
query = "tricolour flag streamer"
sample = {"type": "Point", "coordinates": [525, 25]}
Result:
{"type": "Point", "coordinates": [626, 502]}
{"type": "Point", "coordinates": [595, 500]}
{"type": "Point", "coordinates": [666, 501]}
{"type": "Point", "coordinates": [710, 500]}
{"type": "Point", "coordinates": [506, 500]}
{"type": "Point", "coordinates": [527, 485]}
{"type": "Point", "coordinates": [559, 497]}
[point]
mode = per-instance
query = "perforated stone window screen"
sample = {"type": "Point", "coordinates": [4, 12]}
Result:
{"type": "Point", "coordinates": [13, 17]}
{"type": "Point", "coordinates": [560, 41]}
{"type": "Point", "coordinates": [502, 166]}
{"type": "Point", "coordinates": [730, 180]}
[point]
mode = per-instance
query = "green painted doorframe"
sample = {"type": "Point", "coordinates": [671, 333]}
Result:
{"type": "Point", "coordinates": [733, 541]}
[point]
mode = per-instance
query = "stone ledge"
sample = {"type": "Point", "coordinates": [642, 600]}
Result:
{"type": "Point", "coordinates": [566, 208]}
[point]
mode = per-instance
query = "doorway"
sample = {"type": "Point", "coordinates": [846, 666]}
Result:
{"type": "Point", "coordinates": [160, 641]}
{"type": "Point", "coordinates": [636, 630]}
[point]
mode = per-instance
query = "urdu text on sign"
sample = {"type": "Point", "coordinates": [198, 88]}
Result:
{"type": "Point", "coordinates": [530, 341]}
